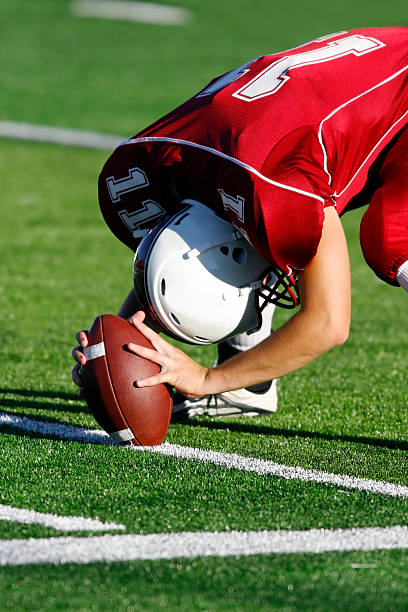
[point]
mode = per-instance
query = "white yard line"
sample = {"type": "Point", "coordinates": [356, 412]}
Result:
{"type": "Point", "coordinates": [110, 548]}
{"type": "Point", "coordinates": [142, 12]}
{"type": "Point", "coordinates": [62, 523]}
{"type": "Point", "coordinates": [59, 135]}
{"type": "Point", "coordinates": [57, 430]}
{"type": "Point", "coordinates": [270, 468]}
{"type": "Point", "coordinates": [220, 458]}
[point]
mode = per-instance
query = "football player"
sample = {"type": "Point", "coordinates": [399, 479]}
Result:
{"type": "Point", "coordinates": [244, 185]}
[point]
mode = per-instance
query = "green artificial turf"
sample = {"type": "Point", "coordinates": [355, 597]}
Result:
{"type": "Point", "coordinates": [116, 76]}
{"type": "Point", "coordinates": [345, 413]}
{"type": "Point", "coordinates": [350, 581]}
{"type": "Point", "coordinates": [332, 416]}
{"type": "Point", "coordinates": [151, 494]}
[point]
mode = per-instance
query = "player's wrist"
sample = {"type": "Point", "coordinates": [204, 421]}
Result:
{"type": "Point", "coordinates": [213, 382]}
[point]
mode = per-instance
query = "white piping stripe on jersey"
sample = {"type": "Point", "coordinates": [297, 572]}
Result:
{"type": "Point", "coordinates": [94, 351]}
{"type": "Point", "coordinates": [371, 152]}
{"type": "Point", "coordinates": [123, 435]}
{"type": "Point", "coordinates": [387, 80]}
{"type": "Point", "coordinates": [224, 156]}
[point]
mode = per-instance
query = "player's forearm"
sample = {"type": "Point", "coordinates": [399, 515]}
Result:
{"type": "Point", "coordinates": [322, 323]}
{"type": "Point", "coordinates": [304, 338]}
{"type": "Point", "coordinates": [129, 306]}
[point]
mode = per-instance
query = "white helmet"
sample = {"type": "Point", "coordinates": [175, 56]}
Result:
{"type": "Point", "coordinates": [198, 278]}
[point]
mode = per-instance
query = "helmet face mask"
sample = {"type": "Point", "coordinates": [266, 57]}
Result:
{"type": "Point", "coordinates": [198, 279]}
{"type": "Point", "coordinates": [279, 289]}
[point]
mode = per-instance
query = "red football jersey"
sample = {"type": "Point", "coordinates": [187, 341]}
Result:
{"type": "Point", "coordinates": [270, 144]}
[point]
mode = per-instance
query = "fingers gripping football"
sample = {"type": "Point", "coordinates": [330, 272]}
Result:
{"type": "Point", "coordinates": [80, 358]}
{"type": "Point", "coordinates": [177, 369]}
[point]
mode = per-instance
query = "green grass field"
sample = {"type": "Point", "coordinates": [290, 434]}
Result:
{"type": "Point", "coordinates": [344, 414]}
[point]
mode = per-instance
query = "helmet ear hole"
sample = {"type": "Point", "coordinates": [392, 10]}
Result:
{"type": "Point", "coordinates": [163, 286]}
{"type": "Point", "coordinates": [224, 249]}
{"type": "Point", "coordinates": [175, 319]}
{"type": "Point", "coordinates": [239, 255]}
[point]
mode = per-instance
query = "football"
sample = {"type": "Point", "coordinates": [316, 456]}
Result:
{"type": "Point", "coordinates": [129, 414]}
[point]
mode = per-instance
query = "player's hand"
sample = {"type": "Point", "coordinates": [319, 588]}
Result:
{"type": "Point", "coordinates": [80, 358]}
{"type": "Point", "coordinates": [177, 368]}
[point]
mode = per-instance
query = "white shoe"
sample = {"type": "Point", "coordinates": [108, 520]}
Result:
{"type": "Point", "coordinates": [228, 404]}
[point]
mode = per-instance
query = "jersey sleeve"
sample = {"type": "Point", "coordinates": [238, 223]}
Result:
{"type": "Point", "coordinates": [291, 229]}
{"type": "Point", "coordinates": [284, 225]}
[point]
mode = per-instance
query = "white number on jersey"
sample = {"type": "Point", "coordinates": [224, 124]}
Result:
{"type": "Point", "coordinates": [140, 221]}
{"type": "Point", "coordinates": [273, 77]}
{"type": "Point", "coordinates": [149, 211]}
{"type": "Point", "coordinates": [136, 179]}
{"type": "Point", "coordinates": [236, 204]}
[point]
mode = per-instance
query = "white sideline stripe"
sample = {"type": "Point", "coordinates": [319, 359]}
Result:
{"type": "Point", "coordinates": [142, 12]}
{"type": "Point", "coordinates": [62, 523]}
{"type": "Point", "coordinates": [58, 135]}
{"type": "Point", "coordinates": [94, 351]}
{"type": "Point", "coordinates": [110, 548]}
{"type": "Point", "coordinates": [221, 458]}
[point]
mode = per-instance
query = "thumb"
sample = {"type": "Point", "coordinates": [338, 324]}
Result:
{"type": "Point", "coordinates": [139, 316]}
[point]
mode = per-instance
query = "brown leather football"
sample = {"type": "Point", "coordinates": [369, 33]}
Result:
{"type": "Point", "coordinates": [131, 415]}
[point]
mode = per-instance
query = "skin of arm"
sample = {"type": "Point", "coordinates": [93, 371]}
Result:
{"type": "Point", "coordinates": [322, 323]}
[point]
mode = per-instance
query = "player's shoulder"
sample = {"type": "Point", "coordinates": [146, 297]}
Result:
{"type": "Point", "coordinates": [292, 224]}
